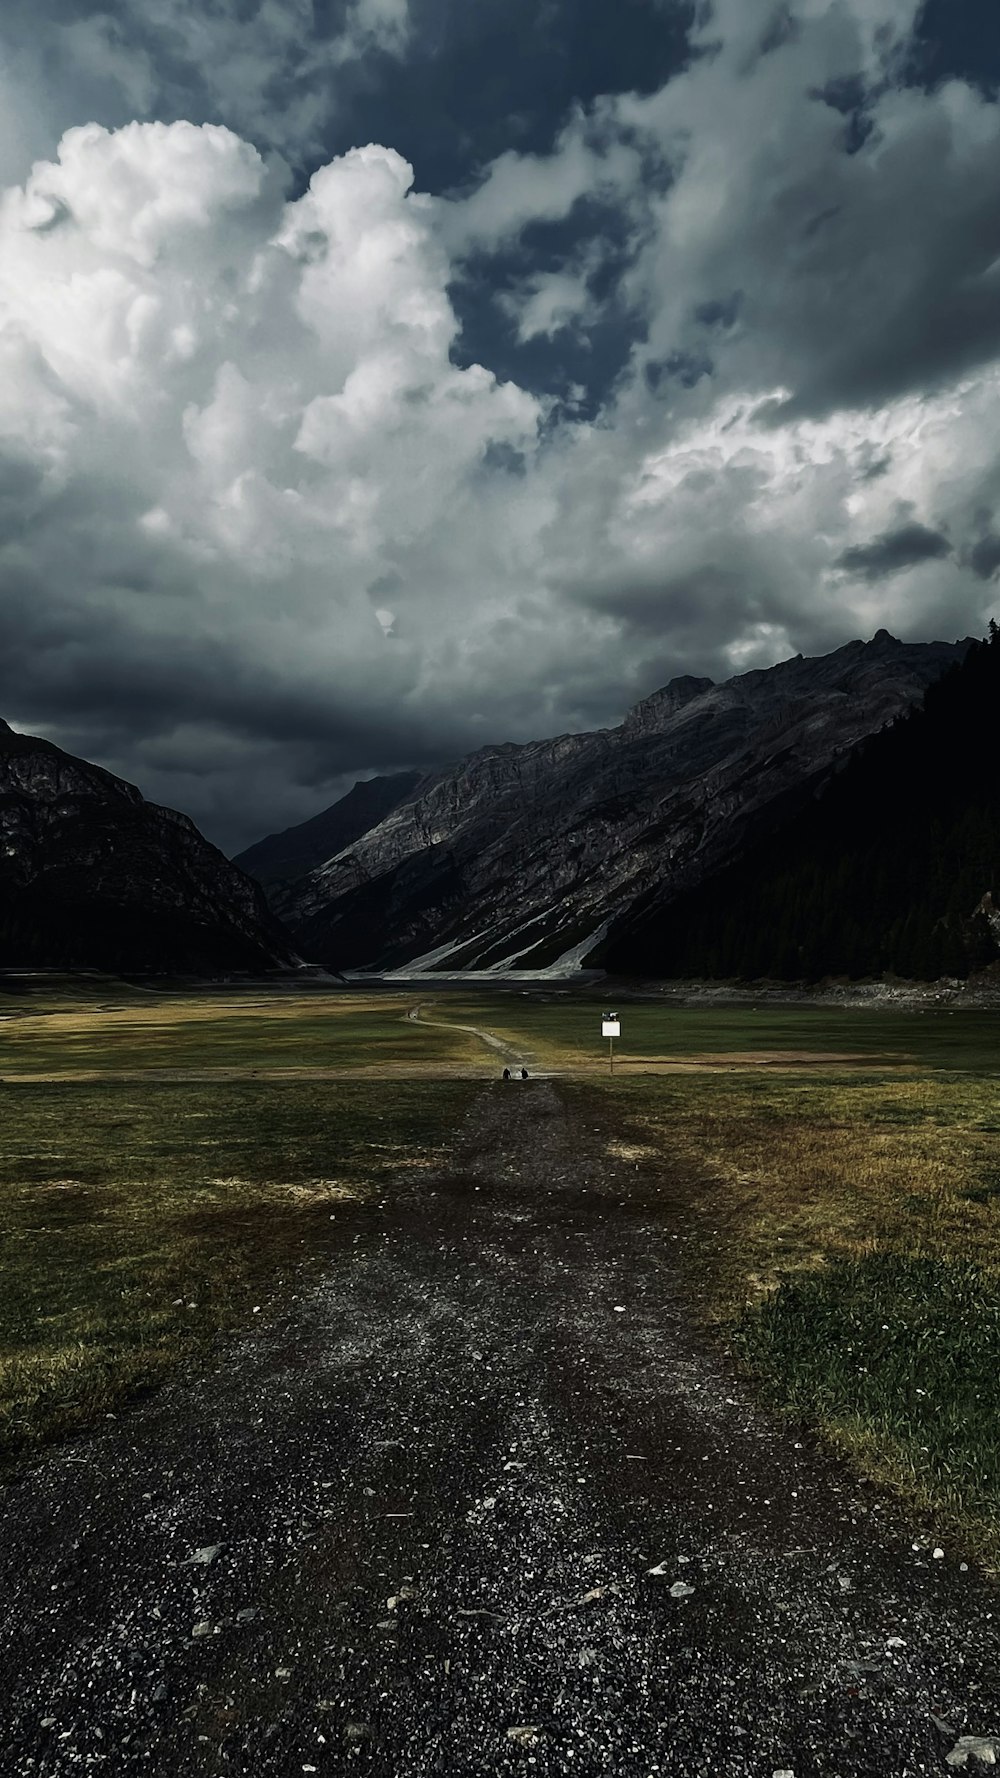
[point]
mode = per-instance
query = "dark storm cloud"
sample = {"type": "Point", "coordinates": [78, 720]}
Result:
{"type": "Point", "coordinates": [681, 603]}
{"type": "Point", "coordinates": [984, 556]}
{"type": "Point", "coordinates": [21, 486]}
{"type": "Point", "coordinates": [894, 550]}
{"type": "Point", "coordinates": [105, 675]}
{"type": "Point", "coordinates": [297, 493]}
{"type": "Point", "coordinates": [700, 609]}
{"type": "Point", "coordinates": [685, 368]}
{"type": "Point", "coordinates": [894, 286]}
{"type": "Point", "coordinates": [934, 333]}
{"type": "Point", "coordinates": [190, 725]}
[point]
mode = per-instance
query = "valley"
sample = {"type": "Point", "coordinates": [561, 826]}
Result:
{"type": "Point", "coordinates": [197, 1146]}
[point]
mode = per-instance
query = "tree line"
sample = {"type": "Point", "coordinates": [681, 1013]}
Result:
{"type": "Point", "coordinates": [884, 873]}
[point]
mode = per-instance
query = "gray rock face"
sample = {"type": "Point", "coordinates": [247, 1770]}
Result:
{"type": "Point", "coordinates": [284, 857]}
{"type": "Point", "coordinates": [93, 876]}
{"type": "Point", "coordinates": [654, 712]}
{"type": "Point", "coordinates": [519, 856]}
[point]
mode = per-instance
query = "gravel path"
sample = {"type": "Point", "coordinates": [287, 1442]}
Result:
{"type": "Point", "coordinates": [438, 1486]}
{"type": "Point", "coordinates": [418, 1015]}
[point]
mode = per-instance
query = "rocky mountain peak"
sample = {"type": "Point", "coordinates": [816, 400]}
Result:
{"type": "Point", "coordinates": [652, 712]}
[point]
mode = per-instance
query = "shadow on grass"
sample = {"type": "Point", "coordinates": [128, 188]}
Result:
{"type": "Point", "coordinates": [138, 1222]}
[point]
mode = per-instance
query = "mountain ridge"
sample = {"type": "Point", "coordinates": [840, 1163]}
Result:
{"type": "Point", "coordinates": [894, 870]}
{"type": "Point", "coordinates": [521, 854]}
{"type": "Point", "coordinates": [294, 851]}
{"type": "Point", "coordinates": [94, 876]}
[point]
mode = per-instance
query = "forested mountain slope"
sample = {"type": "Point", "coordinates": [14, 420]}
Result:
{"type": "Point", "coordinates": [893, 868]}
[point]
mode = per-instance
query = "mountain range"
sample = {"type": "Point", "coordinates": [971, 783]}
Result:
{"type": "Point", "coordinates": [94, 877]}
{"type": "Point", "coordinates": [539, 856]}
{"type": "Point", "coordinates": [835, 815]}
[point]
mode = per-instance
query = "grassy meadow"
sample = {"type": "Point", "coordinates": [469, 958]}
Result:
{"type": "Point", "coordinates": [846, 1244]}
{"type": "Point", "coordinates": [563, 1031]}
{"type": "Point", "coordinates": [134, 1031]}
{"type": "Point", "coordinates": [840, 1174]}
{"type": "Point", "coordinates": [172, 1161]}
{"type": "Point", "coordinates": [169, 1164]}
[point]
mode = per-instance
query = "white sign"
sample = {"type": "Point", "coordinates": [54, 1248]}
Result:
{"type": "Point", "coordinates": [611, 1028]}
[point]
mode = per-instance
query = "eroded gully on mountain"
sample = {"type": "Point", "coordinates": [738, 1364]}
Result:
{"type": "Point", "coordinates": [408, 1527]}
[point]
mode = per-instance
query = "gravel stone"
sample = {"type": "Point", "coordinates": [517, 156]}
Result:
{"type": "Point", "coordinates": [458, 1349]}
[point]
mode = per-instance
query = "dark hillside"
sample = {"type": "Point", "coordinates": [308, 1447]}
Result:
{"type": "Point", "coordinates": [94, 877]}
{"type": "Point", "coordinates": [894, 868]}
{"type": "Point", "coordinates": [283, 857]}
{"type": "Point", "coordinates": [522, 855]}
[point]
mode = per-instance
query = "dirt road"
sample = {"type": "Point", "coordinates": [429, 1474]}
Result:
{"type": "Point", "coordinates": [409, 1529]}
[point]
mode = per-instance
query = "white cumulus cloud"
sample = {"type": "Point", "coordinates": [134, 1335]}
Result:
{"type": "Point", "coordinates": [263, 526]}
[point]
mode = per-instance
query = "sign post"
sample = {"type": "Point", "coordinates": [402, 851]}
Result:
{"type": "Point", "coordinates": [611, 1028]}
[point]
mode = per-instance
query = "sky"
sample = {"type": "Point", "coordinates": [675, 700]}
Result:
{"type": "Point", "coordinates": [380, 379]}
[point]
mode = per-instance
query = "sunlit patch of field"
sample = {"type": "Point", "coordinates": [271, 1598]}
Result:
{"type": "Point", "coordinates": [632, 1151]}
{"type": "Point", "coordinates": [754, 1058]}
{"type": "Point", "coordinates": [280, 1034]}
{"type": "Point", "coordinates": [137, 1220]}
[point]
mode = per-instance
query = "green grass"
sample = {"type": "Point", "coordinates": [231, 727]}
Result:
{"type": "Point", "coordinates": [894, 1357]}
{"type": "Point", "coordinates": [565, 1029]}
{"type": "Point", "coordinates": [844, 1236]}
{"type": "Point", "coordinates": [138, 1220]}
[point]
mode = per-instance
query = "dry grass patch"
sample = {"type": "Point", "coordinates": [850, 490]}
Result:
{"type": "Point", "coordinates": [630, 1151]}
{"type": "Point", "coordinates": [849, 1246]}
{"type": "Point", "coordinates": [240, 1033]}
{"type": "Point", "coordinates": [798, 1172]}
